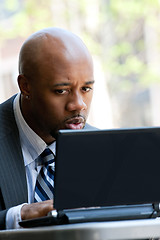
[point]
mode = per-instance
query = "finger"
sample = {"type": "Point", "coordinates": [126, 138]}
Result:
{"type": "Point", "coordinates": [35, 210]}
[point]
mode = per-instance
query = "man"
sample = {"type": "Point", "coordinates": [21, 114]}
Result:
{"type": "Point", "coordinates": [56, 86]}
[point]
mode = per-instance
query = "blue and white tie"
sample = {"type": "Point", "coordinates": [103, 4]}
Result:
{"type": "Point", "coordinates": [44, 189]}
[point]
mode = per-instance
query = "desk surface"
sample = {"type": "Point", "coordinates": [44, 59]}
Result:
{"type": "Point", "coordinates": [133, 229]}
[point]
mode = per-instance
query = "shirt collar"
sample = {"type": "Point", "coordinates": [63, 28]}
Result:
{"type": "Point", "coordinates": [30, 141]}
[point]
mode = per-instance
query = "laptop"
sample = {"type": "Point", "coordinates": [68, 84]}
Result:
{"type": "Point", "coordinates": [105, 175]}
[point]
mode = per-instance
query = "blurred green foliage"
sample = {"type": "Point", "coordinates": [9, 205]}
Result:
{"type": "Point", "coordinates": [28, 16]}
{"type": "Point", "coordinates": [114, 30]}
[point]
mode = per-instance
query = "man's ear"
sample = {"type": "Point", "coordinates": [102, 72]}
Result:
{"type": "Point", "coordinates": [24, 85]}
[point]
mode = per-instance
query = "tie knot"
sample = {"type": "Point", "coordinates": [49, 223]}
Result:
{"type": "Point", "coordinates": [47, 157]}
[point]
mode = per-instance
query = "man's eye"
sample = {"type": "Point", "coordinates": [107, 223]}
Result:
{"type": "Point", "coordinates": [86, 89]}
{"type": "Point", "coordinates": [60, 91]}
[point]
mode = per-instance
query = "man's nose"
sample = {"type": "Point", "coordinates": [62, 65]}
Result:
{"type": "Point", "coordinates": [76, 103]}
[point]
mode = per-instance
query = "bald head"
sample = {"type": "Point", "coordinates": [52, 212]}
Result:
{"type": "Point", "coordinates": [56, 82]}
{"type": "Point", "coordinates": [50, 44]}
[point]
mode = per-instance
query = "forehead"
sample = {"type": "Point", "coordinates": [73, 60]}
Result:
{"type": "Point", "coordinates": [67, 74]}
{"type": "Point", "coordinates": [64, 64]}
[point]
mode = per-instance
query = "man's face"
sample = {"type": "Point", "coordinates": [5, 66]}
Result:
{"type": "Point", "coordinates": [60, 98]}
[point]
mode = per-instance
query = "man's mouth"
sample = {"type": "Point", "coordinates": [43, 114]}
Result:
{"type": "Point", "coordinates": [75, 123]}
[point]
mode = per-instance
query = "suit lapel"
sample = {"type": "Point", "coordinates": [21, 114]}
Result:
{"type": "Point", "coordinates": [13, 178]}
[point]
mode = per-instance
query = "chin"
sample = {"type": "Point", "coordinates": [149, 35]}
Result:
{"type": "Point", "coordinates": [54, 133]}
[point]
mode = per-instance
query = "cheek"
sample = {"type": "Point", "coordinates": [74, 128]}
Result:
{"type": "Point", "coordinates": [88, 100]}
{"type": "Point", "coordinates": [52, 107]}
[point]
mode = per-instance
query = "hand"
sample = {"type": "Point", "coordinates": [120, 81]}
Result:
{"type": "Point", "coordinates": [35, 210]}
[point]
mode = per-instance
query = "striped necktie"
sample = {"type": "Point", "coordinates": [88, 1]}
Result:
{"type": "Point", "coordinates": [44, 189]}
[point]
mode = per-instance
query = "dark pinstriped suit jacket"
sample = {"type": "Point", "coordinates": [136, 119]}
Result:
{"type": "Point", "coordinates": [13, 184]}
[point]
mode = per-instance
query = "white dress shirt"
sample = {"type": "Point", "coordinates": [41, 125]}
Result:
{"type": "Point", "coordinates": [32, 146]}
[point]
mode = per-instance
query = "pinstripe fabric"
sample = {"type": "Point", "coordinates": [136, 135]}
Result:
{"type": "Point", "coordinates": [13, 185]}
{"type": "Point", "coordinates": [44, 189]}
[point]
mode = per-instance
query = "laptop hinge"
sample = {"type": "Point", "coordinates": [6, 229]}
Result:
{"type": "Point", "coordinates": [156, 212]}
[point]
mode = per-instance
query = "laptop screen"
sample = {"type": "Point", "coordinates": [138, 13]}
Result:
{"type": "Point", "coordinates": [107, 167]}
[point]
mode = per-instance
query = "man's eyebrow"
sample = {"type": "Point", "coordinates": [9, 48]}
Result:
{"type": "Point", "coordinates": [89, 82]}
{"type": "Point", "coordinates": [61, 84]}
{"type": "Point", "coordinates": [68, 84]}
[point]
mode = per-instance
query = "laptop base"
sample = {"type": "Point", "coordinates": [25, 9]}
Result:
{"type": "Point", "coordinates": [113, 213]}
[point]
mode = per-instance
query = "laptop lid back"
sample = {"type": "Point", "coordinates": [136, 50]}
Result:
{"type": "Point", "coordinates": [107, 167]}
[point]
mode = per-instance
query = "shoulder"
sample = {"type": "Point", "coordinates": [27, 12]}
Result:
{"type": "Point", "coordinates": [89, 127]}
{"type": "Point", "coordinates": [8, 104]}
{"type": "Point", "coordinates": [6, 109]}
{"type": "Point", "coordinates": [7, 119]}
